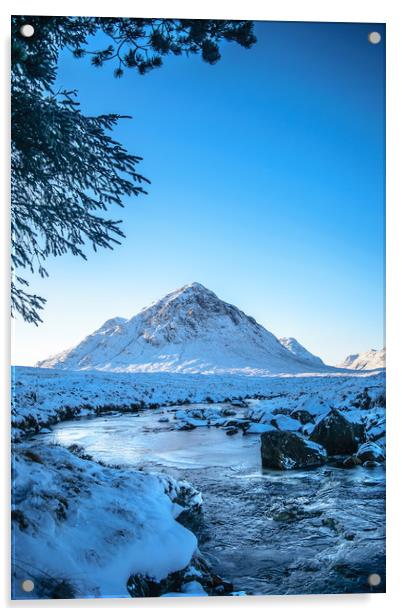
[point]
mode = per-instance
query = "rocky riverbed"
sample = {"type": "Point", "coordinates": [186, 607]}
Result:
{"type": "Point", "coordinates": [264, 531]}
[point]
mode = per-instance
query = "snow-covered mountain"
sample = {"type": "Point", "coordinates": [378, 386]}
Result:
{"type": "Point", "coordinates": [189, 330]}
{"type": "Point", "coordinates": [370, 360]}
{"type": "Point", "coordinates": [299, 351]}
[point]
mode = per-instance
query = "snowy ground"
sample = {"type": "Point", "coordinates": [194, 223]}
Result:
{"type": "Point", "coordinates": [42, 397]}
{"type": "Point", "coordinates": [81, 528]}
{"type": "Point", "coordinates": [84, 527]}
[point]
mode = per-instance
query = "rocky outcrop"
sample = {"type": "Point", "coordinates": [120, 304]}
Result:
{"type": "Point", "coordinates": [338, 435]}
{"type": "Point", "coordinates": [197, 576]}
{"type": "Point", "coordinates": [284, 450]}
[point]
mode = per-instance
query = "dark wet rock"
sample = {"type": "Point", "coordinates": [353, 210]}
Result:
{"type": "Point", "coordinates": [237, 423]}
{"type": "Point", "coordinates": [349, 535]}
{"type": "Point", "coordinates": [332, 524]}
{"type": "Point", "coordinates": [370, 452]}
{"type": "Point", "coordinates": [351, 462]}
{"type": "Point", "coordinates": [18, 516]}
{"type": "Point", "coordinates": [142, 586]}
{"type": "Point", "coordinates": [47, 587]}
{"type": "Point", "coordinates": [363, 400]}
{"type": "Point", "coordinates": [371, 464]}
{"type": "Point", "coordinates": [337, 434]}
{"type": "Point", "coordinates": [381, 400]}
{"type": "Point", "coordinates": [227, 413]}
{"type": "Point", "coordinates": [369, 455]}
{"type": "Point", "coordinates": [285, 450]}
{"type": "Point", "coordinates": [231, 432]}
{"type": "Point", "coordinates": [240, 404]}
{"type": "Point", "coordinates": [221, 587]}
{"type": "Point", "coordinates": [303, 416]}
{"type": "Point", "coordinates": [197, 413]}
{"type": "Point", "coordinates": [185, 426]}
{"type": "Point", "coordinates": [281, 411]}
{"type": "Point", "coordinates": [198, 570]}
{"type": "Point", "coordinates": [293, 509]}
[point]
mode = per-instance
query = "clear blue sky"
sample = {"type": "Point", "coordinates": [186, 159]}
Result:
{"type": "Point", "coordinates": [267, 175]}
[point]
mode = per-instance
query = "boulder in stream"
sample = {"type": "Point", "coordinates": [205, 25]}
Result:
{"type": "Point", "coordinates": [337, 434]}
{"type": "Point", "coordinates": [284, 450]}
{"type": "Point", "coordinates": [231, 432]}
{"type": "Point", "coordinates": [370, 452]}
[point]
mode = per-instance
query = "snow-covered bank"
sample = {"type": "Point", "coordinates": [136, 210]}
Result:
{"type": "Point", "coordinates": [81, 529]}
{"type": "Point", "coordinates": [42, 397]}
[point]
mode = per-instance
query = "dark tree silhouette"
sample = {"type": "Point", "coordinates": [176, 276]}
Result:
{"type": "Point", "coordinates": [66, 169]}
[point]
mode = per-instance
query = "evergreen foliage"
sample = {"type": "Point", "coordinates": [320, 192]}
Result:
{"type": "Point", "coordinates": [66, 168]}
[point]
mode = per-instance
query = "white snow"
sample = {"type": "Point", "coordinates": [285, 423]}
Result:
{"type": "Point", "coordinates": [292, 345]}
{"type": "Point", "coordinates": [191, 331]}
{"type": "Point", "coordinates": [259, 428]}
{"type": "Point", "coordinates": [93, 525]}
{"type": "Point", "coordinates": [370, 360]}
{"type": "Point", "coordinates": [284, 422]}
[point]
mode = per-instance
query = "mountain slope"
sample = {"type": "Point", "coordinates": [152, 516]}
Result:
{"type": "Point", "coordinates": [189, 330]}
{"type": "Point", "coordinates": [370, 360]}
{"type": "Point", "coordinates": [300, 352]}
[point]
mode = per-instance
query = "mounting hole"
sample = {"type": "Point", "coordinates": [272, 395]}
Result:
{"type": "Point", "coordinates": [374, 38]}
{"type": "Point", "coordinates": [27, 30]}
{"type": "Point", "coordinates": [374, 579]}
{"type": "Point", "coordinates": [27, 585]}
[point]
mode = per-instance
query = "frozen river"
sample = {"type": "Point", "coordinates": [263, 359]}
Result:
{"type": "Point", "coordinates": [268, 532]}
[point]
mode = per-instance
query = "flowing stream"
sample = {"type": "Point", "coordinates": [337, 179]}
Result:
{"type": "Point", "coordinates": [268, 532]}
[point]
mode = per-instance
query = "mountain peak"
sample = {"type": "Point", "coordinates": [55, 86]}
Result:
{"type": "Point", "coordinates": [187, 313]}
{"type": "Point", "coordinates": [196, 286]}
{"type": "Point", "coordinates": [188, 290]}
{"type": "Point", "coordinates": [189, 330]}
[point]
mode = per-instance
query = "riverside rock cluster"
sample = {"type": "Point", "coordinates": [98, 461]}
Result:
{"type": "Point", "coordinates": [333, 436]}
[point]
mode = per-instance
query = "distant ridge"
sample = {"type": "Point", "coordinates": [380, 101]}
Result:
{"type": "Point", "coordinates": [370, 360]}
{"type": "Point", "coordinates": [292, 345]}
